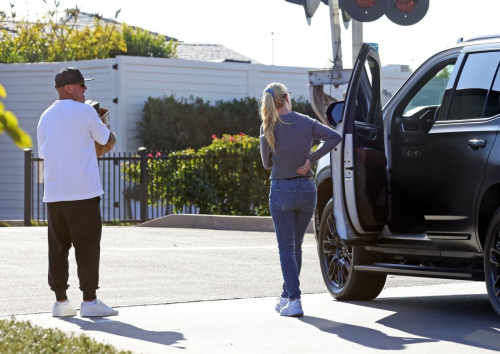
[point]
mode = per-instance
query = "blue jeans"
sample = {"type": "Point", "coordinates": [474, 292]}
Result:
{"type": "Point", "coordinates": [292, 204]}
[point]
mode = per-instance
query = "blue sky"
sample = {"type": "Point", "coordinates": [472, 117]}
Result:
{"type": "Point", "coordinates": [246, 26]}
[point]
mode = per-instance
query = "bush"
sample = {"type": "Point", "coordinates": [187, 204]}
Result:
{"type": "Point", "coordinates": [224, 178]}
{"type": "Point", "coordinates": [142, 43]}
{"type": "Point", "coordinates": [23, 337]}
{"type": "Point", "coordinates": [176, 124]}
{"type": "Point", "coordinates": [51, 39]}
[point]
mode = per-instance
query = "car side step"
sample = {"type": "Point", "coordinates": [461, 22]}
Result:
{"type": "Point", "coordinates": [422, 271]}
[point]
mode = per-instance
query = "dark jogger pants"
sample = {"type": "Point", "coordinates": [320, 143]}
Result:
{"type": "Point", "coordinates": [76, 223]}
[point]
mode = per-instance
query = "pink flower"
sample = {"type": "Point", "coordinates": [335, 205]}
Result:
{"type": "Point", "coordinates": [231, 138]}
{"type": "Point", "coordinates": [242, 134]}
{"type": "Point", "coordinates": [158, 154]}
{"type": "Point", "coordinates": [214, 136]}
{"type": "Point", "coordinates": [150, 156]}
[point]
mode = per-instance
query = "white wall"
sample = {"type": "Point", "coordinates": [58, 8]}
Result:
{"type": "Point", "coordinates": [156, 77]}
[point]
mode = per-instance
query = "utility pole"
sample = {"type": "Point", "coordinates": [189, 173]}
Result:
{"type": "Point", "coordinates": [357, 39]}
{"type": "Point", "coordinates": [272, 48]}
{"type": "Point", "coordinates": [334, 9]}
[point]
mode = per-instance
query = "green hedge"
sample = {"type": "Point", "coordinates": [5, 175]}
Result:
{"type": "Point", "coordinates": [173, 124]}
{"type": "Point", "coordinates": [224, 178]}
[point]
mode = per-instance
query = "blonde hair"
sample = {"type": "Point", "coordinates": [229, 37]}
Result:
{"type": "Point", "coordinates": [272, 99]}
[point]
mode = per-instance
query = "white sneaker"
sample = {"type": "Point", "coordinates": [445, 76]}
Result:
{"type": "Point", "coordinates": [292, 309]}
{"type": "Point", "coordinates": [280, 303]}
{"type": "Point", "coordinates": [63, 309]}
{"type": "Point", "coordinates": [99, 309]}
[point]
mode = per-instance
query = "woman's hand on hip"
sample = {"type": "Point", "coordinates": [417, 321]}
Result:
{"type": "Point", "coordinates": [303, 170]}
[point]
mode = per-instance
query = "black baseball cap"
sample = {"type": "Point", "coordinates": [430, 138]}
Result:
{"type": "Point", "coordinates": [68, 76]}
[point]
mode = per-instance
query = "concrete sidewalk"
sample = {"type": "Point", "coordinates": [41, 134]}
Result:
{"type": "Point", "coordinates": [427, 319]}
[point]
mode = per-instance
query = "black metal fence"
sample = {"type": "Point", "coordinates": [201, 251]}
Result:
{"type": "Point", "coordinates": [125, 198]}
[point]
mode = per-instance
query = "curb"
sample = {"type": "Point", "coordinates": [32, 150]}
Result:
{"type": "Point", "coordinates": [217, 222]}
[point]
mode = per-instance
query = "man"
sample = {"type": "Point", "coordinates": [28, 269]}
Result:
{"type": "Point", "coordinates": [66, 134]}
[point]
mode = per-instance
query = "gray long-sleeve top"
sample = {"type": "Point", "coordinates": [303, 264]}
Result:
{"type": "Point", "coordinates": [293, 144]}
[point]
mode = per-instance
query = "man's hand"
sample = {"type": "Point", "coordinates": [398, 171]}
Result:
{"type": "Point", "coordinates": [104, 149]}
{"type": "Point", "coordinates": [302, 170]}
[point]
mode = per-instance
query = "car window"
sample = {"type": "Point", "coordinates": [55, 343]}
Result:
{"type": "Point", "coordinates": [471, 92]}
{"type": "Point", "coordinates": [493, 101]}
{"type": "Point", "coordinates": [431, 94]}
{"type": "Point", "coordinates": [366, 97]}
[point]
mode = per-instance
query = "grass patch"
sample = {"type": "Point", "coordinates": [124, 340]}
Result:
{"type": "Point", "coordinates": [23, 337]}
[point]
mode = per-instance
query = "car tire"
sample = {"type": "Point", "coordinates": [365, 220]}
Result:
{"type": "Point", "coordinates": [492, 261]}
{"type": "Point", "coordinates": [337, 264]}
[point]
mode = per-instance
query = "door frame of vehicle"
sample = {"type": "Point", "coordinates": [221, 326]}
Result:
{"type": "Point", "coordinates": [348, 225]}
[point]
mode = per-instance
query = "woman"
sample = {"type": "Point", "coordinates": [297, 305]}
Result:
{"type": "Point", "coordinates": [285, 144]}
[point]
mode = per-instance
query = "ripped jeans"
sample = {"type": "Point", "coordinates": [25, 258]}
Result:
{"type": "Point", "coordinates": [292, 204]}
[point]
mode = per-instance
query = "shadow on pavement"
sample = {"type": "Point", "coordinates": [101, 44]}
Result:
{"type": "Point", "coordinates": [367, 337]}
{"type": "Point", "coordinates": [110, 325]}
{"type": "Point", "coordinates": [461, 319]}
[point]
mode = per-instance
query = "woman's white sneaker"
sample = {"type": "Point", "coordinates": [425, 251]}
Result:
{"type": "Point", "coordinates": [97, 309]}
{"type": "Point", "coordinates": [292, 309]}
{"type": "Point", "coordinates": [63, 309]}
{"type": "Point", "coordinates": [280, 303]}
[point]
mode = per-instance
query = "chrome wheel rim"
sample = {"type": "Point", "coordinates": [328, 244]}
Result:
{"type": "Point", "coordinates": [337, 257]}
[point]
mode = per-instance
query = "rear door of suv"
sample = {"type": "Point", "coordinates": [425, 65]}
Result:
{"type": "Point", "coordinates": [459, 145]}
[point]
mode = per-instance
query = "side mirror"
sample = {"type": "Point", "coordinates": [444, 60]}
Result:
{"type": "Point", "coordinates": [334, 113]}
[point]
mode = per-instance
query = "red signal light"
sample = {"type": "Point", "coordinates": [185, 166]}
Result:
{"type": "Point", "coordinates": [406, 5]}
{"type": "Point", "coordinates": [366, 4]}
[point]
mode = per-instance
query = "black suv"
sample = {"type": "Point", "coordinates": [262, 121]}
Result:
{"type": "Point", "coordinates": [414, 188]}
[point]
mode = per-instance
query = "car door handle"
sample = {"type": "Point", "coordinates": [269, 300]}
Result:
{"type": "Point", "coordinates": [475, 144]}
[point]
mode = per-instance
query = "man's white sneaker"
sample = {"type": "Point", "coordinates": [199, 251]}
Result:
{"type": "Point", "coordinates": [99, 309]}
{"type": "Point", "coordinates": [63, 309]}
{"type": "Point", "coordinates": [280, 303]}
{"type": "Point", "coordinates": [292, 309]}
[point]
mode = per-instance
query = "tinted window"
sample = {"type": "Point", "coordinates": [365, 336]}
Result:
{"type": "Point", "coordinates": [431, 94]}
{"type": "Point", "coordinates": [367, 107]}
{"type": "Point", "coordinates": [493, 101]}
{"type": "Point", "coordinates": [469, 97]}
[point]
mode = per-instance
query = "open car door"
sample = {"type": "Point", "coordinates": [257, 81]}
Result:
{"type": "Point", "coordinates": [363, 161]}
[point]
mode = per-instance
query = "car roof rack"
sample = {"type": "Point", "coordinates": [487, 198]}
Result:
{"type": "Point", "coordinates": [479, 38]}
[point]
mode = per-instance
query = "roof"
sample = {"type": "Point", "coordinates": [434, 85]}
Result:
{"type": "Point", "coordinates": [211, 52]}
{"type": "Point", "coordinates": [187, 51]}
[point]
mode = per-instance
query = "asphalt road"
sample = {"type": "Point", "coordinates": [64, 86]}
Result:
{"type": "Point", "coordinates": [141, 266]}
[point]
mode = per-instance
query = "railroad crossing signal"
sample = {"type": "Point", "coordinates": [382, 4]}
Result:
{"type": "Point", "coordinates": [401, 12]}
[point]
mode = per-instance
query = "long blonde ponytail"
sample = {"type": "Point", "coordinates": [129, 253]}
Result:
{"type": "Point", "coordinates": [272, 98]}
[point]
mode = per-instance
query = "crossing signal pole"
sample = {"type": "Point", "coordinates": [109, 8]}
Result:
{"type": "Point", "coordinates": [401, 12]}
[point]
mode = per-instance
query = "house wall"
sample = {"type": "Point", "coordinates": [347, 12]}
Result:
{"type": "Point", "coordinates": [30, 91]}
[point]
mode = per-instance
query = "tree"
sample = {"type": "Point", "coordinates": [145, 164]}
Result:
{"type": "Point", "coordinates": [143, 43]}
{"type": "Point", "coordinates": [54, 39]}
{"type": "Point", "coordinates": [8, 123]}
